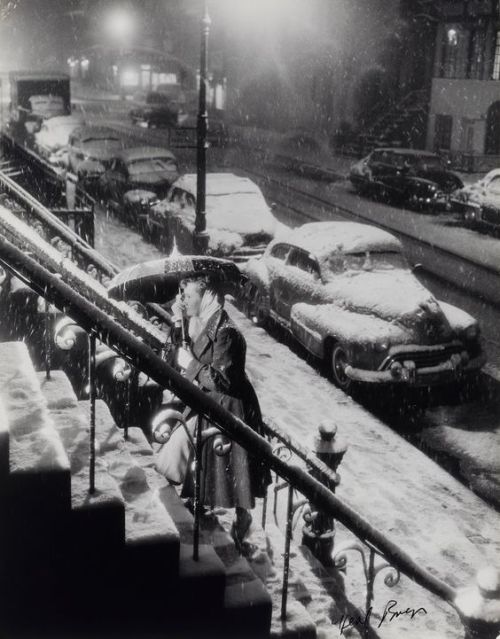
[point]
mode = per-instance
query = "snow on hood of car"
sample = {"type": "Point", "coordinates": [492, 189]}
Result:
{"type": "Point", "coordinates": [324, 238]}
{"type": "Point", "coordinates": [395, 296]}
{"type": "Point", "coordinates": [350, 326]}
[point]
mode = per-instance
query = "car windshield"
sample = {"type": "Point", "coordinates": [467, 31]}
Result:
{"type": "Point", "coordinates": [151, 165]}
{"type": "Point", "coordinates": [363, 261]}
{"type": "Point", "coordinates": [423, 162]}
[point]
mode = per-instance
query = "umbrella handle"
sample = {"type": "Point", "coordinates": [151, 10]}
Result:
{"type": "Point", "coordinates": [183, 330]}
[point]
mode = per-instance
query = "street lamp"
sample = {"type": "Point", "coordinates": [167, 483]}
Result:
{"type": "Point", "coordinates": [200, 229]}
{"type": "Point", "coordinates": [120, 25]}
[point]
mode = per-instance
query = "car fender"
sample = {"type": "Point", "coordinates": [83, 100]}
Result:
{"type": "Point", "coordinates": [458, 319]}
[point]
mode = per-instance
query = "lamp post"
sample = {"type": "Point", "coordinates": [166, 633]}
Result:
{"type": "Point", "coordinates": [200, 229]}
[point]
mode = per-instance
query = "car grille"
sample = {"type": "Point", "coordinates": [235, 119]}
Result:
{"type": "Point", "coordinates": [491, 215]}
{"type": "Point", "coordinates": [425, 358]}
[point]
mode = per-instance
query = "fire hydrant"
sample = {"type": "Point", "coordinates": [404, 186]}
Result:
{"type": "Point", "coordinates": [318, 532]}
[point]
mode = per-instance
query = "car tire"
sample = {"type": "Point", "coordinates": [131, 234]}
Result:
{"type": "Point", "coordinates": [338, 360]}
{"type": "Point", "coordinates": [253, 304]}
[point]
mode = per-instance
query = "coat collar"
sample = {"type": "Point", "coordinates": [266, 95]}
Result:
{"type": "Point", "coordinates": [209, 333]}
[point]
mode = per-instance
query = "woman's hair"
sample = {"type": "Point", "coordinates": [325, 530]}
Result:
{"type": "Point", "coordinates": [204, 283]}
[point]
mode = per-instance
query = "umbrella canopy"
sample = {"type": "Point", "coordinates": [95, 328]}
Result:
{"type": "Point", "coordinates": [158, 280]}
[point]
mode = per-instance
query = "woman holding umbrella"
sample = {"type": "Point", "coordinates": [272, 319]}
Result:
{"type": "Point", "coordinates": [216, 362]}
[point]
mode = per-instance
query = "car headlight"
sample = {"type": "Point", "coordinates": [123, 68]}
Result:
{"type": "Point", "coordinates": [471, 332]}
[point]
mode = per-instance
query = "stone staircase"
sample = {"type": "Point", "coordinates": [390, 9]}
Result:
{"type": "Point", "coordinates": [114, 563]}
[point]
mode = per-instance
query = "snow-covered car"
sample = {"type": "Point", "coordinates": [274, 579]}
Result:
{"type": "Point", "coordinates": [480, 202]}
{"type": "Point", "coordinates": [418, 179]}
{"type": "Point", "coordinates": [240, 223]}
{"type": "Point", "coordinates": [136, 177]}
{"type": "Point", "coordinates": [91, 150]}
{"type": "Point", "coordinates": [51, 141]}
{"type": "Point", "coordinates": [346, 293]}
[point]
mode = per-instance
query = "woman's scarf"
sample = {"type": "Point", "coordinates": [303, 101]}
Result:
{"type": "Point", "coordinates": [209, 306]}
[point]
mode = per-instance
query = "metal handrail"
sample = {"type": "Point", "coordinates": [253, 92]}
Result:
{"type": "Point", "coordinates": [77, 244]}
{"type": "Point", "coordinates": [51, 259]}
{"type": "Point", "coordinates": [96, 322]}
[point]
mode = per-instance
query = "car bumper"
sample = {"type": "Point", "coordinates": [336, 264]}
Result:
{"type": "Point", "coordinates": [449, 371]}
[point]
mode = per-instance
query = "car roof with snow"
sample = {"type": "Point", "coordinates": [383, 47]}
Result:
{"type": "Point", "coordinates": [145, 153]}
{"type": "Point", "coordinates": [324, 238]}
{"type": "Point", "coordinates": [218, 184]}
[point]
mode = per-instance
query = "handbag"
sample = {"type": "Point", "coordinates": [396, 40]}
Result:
{"type": "Point", "coordinates": [175, 454]}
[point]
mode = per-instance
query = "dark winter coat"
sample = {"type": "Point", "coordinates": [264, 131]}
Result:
{"type": "Point", "coordinates": [236, 478]}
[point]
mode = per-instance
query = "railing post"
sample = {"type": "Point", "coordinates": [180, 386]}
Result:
{"type": "Point", "coordinates": [318, 533]}
{"type": "Point", "coordinates": [47, 335]}
{"type": "Point", "coordinates": [479, 605]}
{"type": "Point", "coordinates": [197, 489]}
{"type": "Point", "coordinates": [92, 398]}
{"type": "Point", "coordinates": [286, 559]}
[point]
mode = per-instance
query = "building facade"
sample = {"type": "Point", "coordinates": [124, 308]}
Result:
{"type": "Point", "coordinates": [464, 109]}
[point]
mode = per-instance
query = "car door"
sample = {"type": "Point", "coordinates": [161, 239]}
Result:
{"type": "Point", "coordinates": [116, 181]}
{"type": "Point", "coordinates": [275, 263]}
{"type": "Point", "coordinates": [298, 282]}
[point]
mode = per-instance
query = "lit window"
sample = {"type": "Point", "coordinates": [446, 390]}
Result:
{"type": "Point", "coordinates": [452, 37]}
{"type": "Point", "coordinates": [496, 63]}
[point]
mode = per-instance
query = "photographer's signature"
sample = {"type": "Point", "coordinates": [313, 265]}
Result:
{"type": "Point", "coordinates": [391, 612]}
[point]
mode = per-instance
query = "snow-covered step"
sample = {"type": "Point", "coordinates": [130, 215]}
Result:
{"type": "Point", "coordinates": [96, 529]}
{"type": "Point", "coordinates": [36, 493]}
{"type": "Point", "coordinates": [247, 604]}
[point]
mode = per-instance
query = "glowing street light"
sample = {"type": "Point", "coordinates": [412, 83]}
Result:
{"type": "Point", "coordinates": [120, 24]}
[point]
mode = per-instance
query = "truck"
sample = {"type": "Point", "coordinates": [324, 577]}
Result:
{"type": "Point", "coordinates": [34, 97]}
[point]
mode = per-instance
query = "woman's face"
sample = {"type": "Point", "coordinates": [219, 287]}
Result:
{"type": "Point", "coordinates": [192, 299]}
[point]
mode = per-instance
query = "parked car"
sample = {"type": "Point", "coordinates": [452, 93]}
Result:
{"type": "Point", "coordinates": [240, 224]}
{"type": "Point", "coordinates": [346, 293]}
{"type": "Point", "coordinates": [52, 140]}
{"type": "Point", "coordinates": [480, 202]}
{"type": "Point", "coordinates": [136, 177]}
{"type": "Point", "coordinates": [418, 179]}
{"type": "Point", "coordinates": [91, 150]}
{"type": "Point", "coordinates": [153, 109]}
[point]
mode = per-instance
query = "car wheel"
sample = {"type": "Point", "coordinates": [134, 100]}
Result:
{"type": "Point", "coordinates": [253, 304]}
{"type": "Point", "coordinates": [338, 363]}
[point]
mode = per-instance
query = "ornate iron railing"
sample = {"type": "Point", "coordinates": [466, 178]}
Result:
{"type": "Point", "coordinates": [376, 550]}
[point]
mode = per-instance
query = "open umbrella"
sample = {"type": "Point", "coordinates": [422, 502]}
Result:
{"type": "Point", "coordinates": [158, 280]}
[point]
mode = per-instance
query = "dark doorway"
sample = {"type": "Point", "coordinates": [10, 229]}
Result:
{"type": "Point", "coordinates": [492, 141]}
